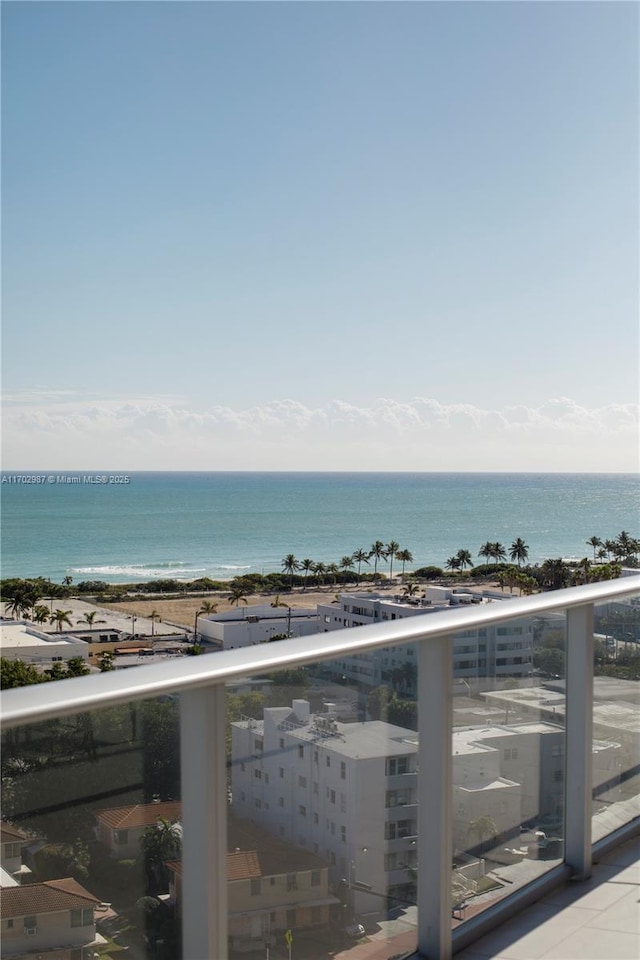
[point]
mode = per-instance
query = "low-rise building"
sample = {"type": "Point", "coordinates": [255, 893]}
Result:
{"type": "Point", "coordinates": [119, 829]}
{"type": "Point", "coordinates": [256, 624]}
{"type": "Point", "coordinates": [53, 920]}
{"type": "Point", "coordinates": [12, 840]}
{"type": "Point", "coordinates": [272, 886]}
{"type": "Point", "coordinates": [493, 652]}
{"type": "Point", "coordinates": [20, 640]}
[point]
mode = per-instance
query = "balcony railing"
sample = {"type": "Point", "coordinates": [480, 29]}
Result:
{"type": "Point", "coordinates": [200, 683]}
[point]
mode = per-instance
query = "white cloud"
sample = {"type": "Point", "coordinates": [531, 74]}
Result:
{"type": "Point", "coordinates": [61, 431]}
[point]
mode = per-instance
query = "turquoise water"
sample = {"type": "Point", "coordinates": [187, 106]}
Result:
{"type": "Point", "coordinates": [187, 525]}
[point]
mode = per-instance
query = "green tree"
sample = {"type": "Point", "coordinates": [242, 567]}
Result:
{"type": "Point", "coordinates": [40, 613]}
{"type": "Point", "coordinates": [405, 556]}
{"type": "Point", "coordinates": [319, 570]}
{"type": "Point", "coordinates": [360, 556]}
{"type": "Point", "coordinates": [15, 673]}
{"type": "Point", "coordinates": [306, 566]}
{"type": "Point", "coordinates": [452, 563]}
{"type": "Point", "coordinates": [290, 565]}
{"type": "Point", "coordinates": [333, 569]}
{"type": "Point", "coordinates": [60, 617]}
{"type": "Point", "coordinates": [486, 550]}
{"type": "Point", "coordinates": [206, 608]}
{"type": "Point", "coordinates": [410, 589]}
{"type": "Point", "coordinates": [555, 574]}
{"type": "Point", "coordinates": [594, 542]}
{"type": "Point", "coordinates": [391, 550]}
{"type": "Point", "coordinates": [346, 563]}
{"type": "Point", "coordinates": [498, 552]}
{"type": "Point", "coordinates": [464, 559]}
{"type": "Point", "coordinates": [519, 551]}
{"type": "Point", "coordinates": [90, 618]}
{"type": "Point", "coordinates": [378, 702]}
{"type": "Point", "coordinates": [237, 596]}
{"type": "Point", "coordinates": [77, 667]}
{"type": "Point", "coordinates": [377, 552]}
{"type": "Point", "coordinates": [159, 843]}
{"type": "Point", "coordinates": [105, 661]}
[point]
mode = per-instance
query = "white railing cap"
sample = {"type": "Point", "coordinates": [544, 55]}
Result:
{"type": "Point", "coordinates": [63, 697]}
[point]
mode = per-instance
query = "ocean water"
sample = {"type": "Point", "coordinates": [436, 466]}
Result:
{"type": "Point", "coordinates": [187, 525]}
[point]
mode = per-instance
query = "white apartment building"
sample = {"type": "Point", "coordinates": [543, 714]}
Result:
{"type": "Point", "coordinates": [492, 652]}
{"type": "Point", "coordinates": [330, 787]}
{"type": "Point", "coordinates": [258, 623]}
{"type": "Point", "coordinates": [20, 640]}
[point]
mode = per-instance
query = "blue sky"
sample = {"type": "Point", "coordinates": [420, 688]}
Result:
{"type": "Point", "coordinates": [320, 235]}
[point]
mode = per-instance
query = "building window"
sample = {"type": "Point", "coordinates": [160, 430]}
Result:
{"type": "Point", "coordinates": [242, 767]}
{"type": "Point", "coordinates": [343, 834]}
{"type": "Point", "coordinates": [332, 796]}
{"type": "Point", "coordinates": [343, 803]}
{"type": "Point", "coordinates": [257, 744]}
{"type": "Point", "coordinates": [315, 789]}
{"type": "Point", "coordinates": [302, 781]}
{"type": "Point", "coordinates": [315, 878]}
{"type": "Point", "coordinates": [9, 924]}
{"type": "Point", "coordinates": [266, 778]}
{"type": "Point", "coordinates": [258, 803]}
{"type": "Point", "coordinates": [343, 770]}
{"type": "Point", "coordinates": [282, 743]}
{"type": "Point", "coordinates": [272, 881]}
{"type": "Point", "coordinates": [281, 773]}
{"type": "Point", "coordinates": [81, 918]}
{"type": "Point", "coordinates": [301, 751]}
{"type": "Point", "coordinates": [328, 761]}
{"type": "Point", "coordinates": [558, 776]}
{"type": "Point", "coordinates": [30, 924]}
{"type": "Point", "coordinates": [292, 882]}
{"type": "Point", "coordinates": [315, 756]}
{"type": "Point", "coordinates": [255, 887]}
{"type": "Point", "coordinates": [257, 774]}
{"type": "Point", "coordinates": [302, 810]}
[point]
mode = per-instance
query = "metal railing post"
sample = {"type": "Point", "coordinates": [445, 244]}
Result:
{"type": "Point", "coordinates": [579, 740]}
{"type": "Point", "coordinates": [435, 797]}
{"type": "Point", "coordinates": [204, 818]}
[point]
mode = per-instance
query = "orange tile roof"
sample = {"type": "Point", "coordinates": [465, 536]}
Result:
{"type": "Point", "coordinates": [139, 815]}
{"type": "Point", "coordinates": [242, 865]}
{"type": "Point", "coordinates": [48, 897]}
{"type": "Point", "coordinates": [9, 834]}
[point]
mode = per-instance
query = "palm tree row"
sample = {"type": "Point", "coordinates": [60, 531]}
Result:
{"type": "Point", "coordinates": [379, 551]}
{"type": "Point", "coordinates": [622, 547]}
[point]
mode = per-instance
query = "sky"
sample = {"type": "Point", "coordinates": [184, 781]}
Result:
{"type": "Point", "coordinates": [320, 236]}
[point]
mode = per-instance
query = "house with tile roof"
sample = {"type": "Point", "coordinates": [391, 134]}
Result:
{"type": "Point", "coordinates": [273, 886]}
{"type": "Point", "coordinates": [53, 920]}
{"type": "Point", "coordinates": [12, 840]}
{"type": "Point", "coordinates": [119, 829]}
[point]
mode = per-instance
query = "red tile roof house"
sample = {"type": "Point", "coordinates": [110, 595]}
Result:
{"type": "Point", "coordinates": [12, 841]}
{"type": "Point", "coordinates": [53, 920]}
{"type": "Point", "coordinates": [272, 887]}
{"type": "Point", "coordinates": [119, 829]}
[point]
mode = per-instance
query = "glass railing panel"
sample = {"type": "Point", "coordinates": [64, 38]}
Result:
{"type": "Point", "coordinates": [616, 708]}
{"type": "Point", "coordinates": [508, 758]}
{"type": "Point", "coordinates": [91, 803]}
{"type": "Point", "coordinates": [322, 833]}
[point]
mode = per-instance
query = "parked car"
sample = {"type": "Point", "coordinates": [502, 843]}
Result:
{"type": "Point", "coordinates": [354, 930]}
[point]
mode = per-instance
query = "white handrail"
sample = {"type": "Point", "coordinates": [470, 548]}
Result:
{"type": "Point", "coordinates": [48, 700]}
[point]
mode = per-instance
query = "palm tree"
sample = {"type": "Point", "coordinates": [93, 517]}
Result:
{"type": "Point", "coordinates": [405, 556]}
{"type": "Point", "coordinates": [40, 613]}
{"type": "Point", "coordinates": [555, 573]}
{"type": "Point", "coordinates": [410, 589]}
{"type": "Point", "coordinates": [59, 617]}
{"type": "Point", "coordinates": [237, 596]}
{"type": "Point", "coordinates": [626, 544]}
{"type": "Point", "coordinates": [361, 556]}
{"type": "Point", "coordinates": [498, 552]}
{"type": "Point", "coordinates": [347, 563]}
{"type": "Point", "coordinates": [207, 607]}
{"type": "Point", "coordinates": [377, 552]}
{"type": "Point", "coordinates": [334, 570]}
{"type": "Point", "coordinates": [160, 843]}
{"type": "Point", "coordinates": [391, 551]}
{"type": "Point", "coordinates": [594, 542]}
{"type": "Point", "coordinates": [90, 618]}
{"type": "Point", "coordinates": [67, 581]}
{"type": "Point", "coordinates": [519, 551]}
{"type": "Point", "coordinates": [464, 558]}
{"type": "Point", "coordinates": [306, 565]}
{"type": "Point", "coordinates": [154, 615]}
{"type": "Point", "coordinates": [290, 565]}
{"type": "Point", "coordinates": [453, 563]}
{"type": "Point", "coordinates": [319, 570]}
{"type": "Point", "coordinates": [486, 550]}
